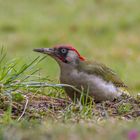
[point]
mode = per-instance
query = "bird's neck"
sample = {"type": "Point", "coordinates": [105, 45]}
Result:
{"type": "Point", "coordinates": [66, 68]}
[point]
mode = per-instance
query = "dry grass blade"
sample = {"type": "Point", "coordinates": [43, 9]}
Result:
{"type": "Point", "coordinates": [25, 107]}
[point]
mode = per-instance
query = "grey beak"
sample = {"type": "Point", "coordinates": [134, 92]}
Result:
{"type": "Point", "coordinates": [45, 50]}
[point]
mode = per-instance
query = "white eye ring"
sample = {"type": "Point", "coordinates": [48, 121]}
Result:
{"type": "Point", "coordinates": [63, 50]}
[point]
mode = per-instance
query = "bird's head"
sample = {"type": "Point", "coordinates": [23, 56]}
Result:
{"type": "Point", "coordinates": [62, 54]}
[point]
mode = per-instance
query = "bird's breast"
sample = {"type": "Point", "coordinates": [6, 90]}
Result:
{"type": "Point", "coordinates": [95, 84]}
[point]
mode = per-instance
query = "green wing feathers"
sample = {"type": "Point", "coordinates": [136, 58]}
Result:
{"type": "Point", "coordinates": [102, 71]}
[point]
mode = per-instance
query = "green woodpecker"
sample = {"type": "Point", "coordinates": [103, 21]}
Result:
{"type": "Point", "coordinates": [92, 78]}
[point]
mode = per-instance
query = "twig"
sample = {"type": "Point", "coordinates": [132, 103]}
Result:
{"type": "Point", "coordinates": [25, 107]}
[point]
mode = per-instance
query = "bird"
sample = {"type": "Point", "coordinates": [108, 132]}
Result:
{"type": "Point", "coordinates": [92, 79]}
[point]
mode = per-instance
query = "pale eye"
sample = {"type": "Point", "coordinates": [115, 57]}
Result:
{"type": "Point", "coordinates": [63, 50]}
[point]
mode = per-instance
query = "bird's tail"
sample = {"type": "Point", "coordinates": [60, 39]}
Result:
{"type": "Point", "coordinates": [124, 91]}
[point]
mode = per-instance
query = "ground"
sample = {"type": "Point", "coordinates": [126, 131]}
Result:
{"type": "Point", "coordinates": [107, 31]}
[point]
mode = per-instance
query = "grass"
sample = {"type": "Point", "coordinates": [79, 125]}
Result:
{"type": "Point", "coordinates": [54, 130]}
{"type": "Point", "coordinates": [104, 30]}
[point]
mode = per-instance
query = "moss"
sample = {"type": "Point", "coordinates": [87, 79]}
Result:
{"type": "Point", "coordinates": [17, 97]}
{"type": "Point", "coordinates": [124, 108]}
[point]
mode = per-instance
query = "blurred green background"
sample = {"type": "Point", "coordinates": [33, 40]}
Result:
{"type": "Point", "coordinates": [103, 30]}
